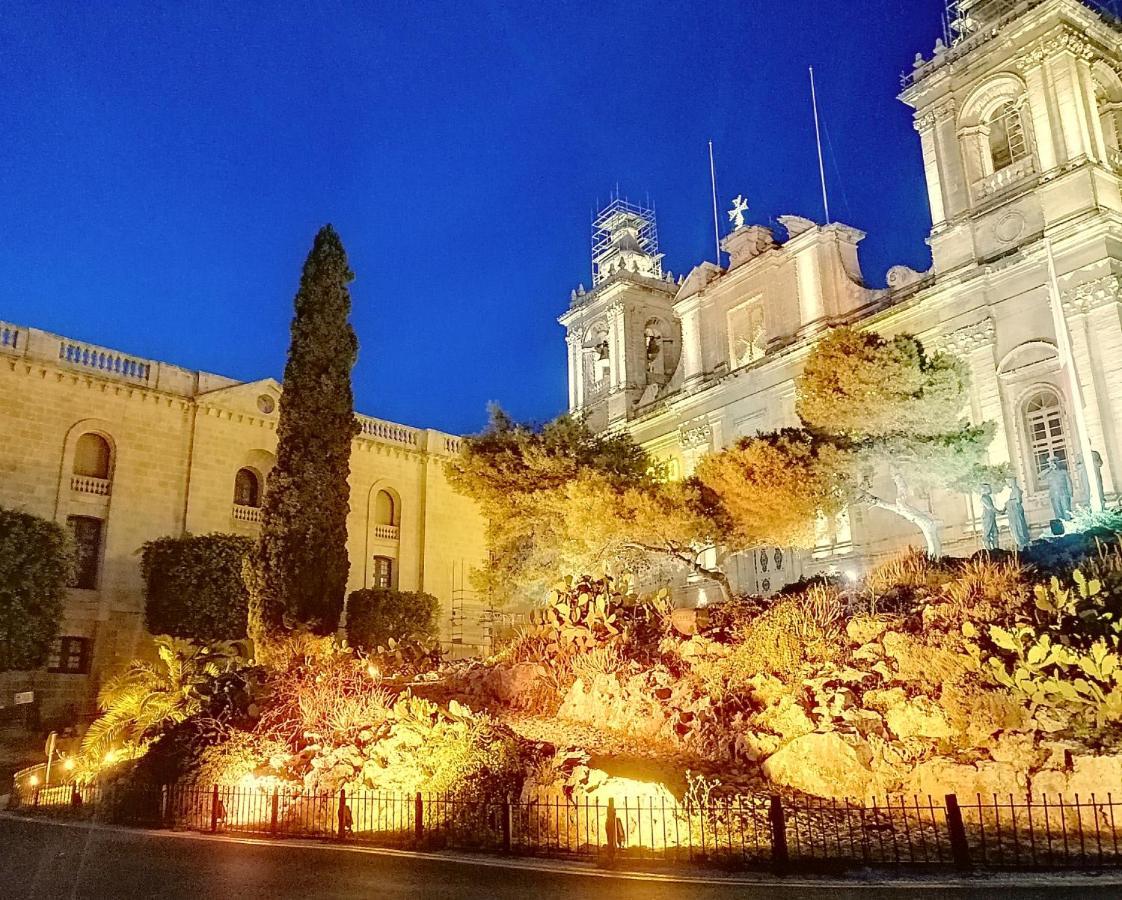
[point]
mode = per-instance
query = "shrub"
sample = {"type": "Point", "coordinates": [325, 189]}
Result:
{"type": "Point", "coordinates": [375, 616]}
{"type": "Point", "coordinates": [35, 566]}
{"type": "Point", "coordinates": [194, 587]}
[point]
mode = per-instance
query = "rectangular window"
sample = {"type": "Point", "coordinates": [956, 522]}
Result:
{"type": "Point", "coordinates": [86, 532]}
{"type": "Point", "coordinates": [383, 572]}
{"type": "Point", "coordinates": [70, 656]}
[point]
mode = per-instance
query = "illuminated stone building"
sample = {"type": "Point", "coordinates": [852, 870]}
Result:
{"type": "Point", "coordinates": [124, 450]}
{"type": "Point", "coordinates": [1019, 119]}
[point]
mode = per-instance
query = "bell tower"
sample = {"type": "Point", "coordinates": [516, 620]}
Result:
{"type": "Point", "coordinates": [1019, 123]}
{"type": "Point", "coordinates": [623, 339]}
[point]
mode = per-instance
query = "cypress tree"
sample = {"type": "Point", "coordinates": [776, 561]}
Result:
{"type": "Point", "coordinates": [300, 567]}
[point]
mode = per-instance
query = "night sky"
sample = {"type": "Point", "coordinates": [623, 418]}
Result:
{"type": "Point", "coordinates": [164, 167]}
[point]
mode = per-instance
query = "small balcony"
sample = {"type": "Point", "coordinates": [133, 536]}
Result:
{"type": "Point", "coordinates": [1003, 179]}
{"type": "Point", "coordinates": [251, 514]}
{"type": "Point", "coordinates": [1114, 159]}
{"type": "Point", "coordinates": [87, 484]}
{"type": "Point", "coordinates": [387, 532]}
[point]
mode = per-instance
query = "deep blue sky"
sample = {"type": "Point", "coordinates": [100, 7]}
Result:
{"type": "Point", "coordinates": [164, 166]}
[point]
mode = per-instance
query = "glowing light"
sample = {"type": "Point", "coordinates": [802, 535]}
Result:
{"type": "Point", "coordinates": [850, 575]}
{"type": "Point", "coordinates": [109, 757]}
{"type": "Point", "coordinates": [33, 781]}
{"type": "Point", "coordinates": [68, 764]}
{"type": "Point", "coordinates": [373, 671]}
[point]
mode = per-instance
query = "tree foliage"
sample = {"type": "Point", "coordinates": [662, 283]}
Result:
{"type": "Point", "coordinates": [377, 615]}
{"type": "Point", "coordinates": [774, 486]}
{"type": "Point", "coordinates": [194, 586]}
{"type": "Point", "coordinates": [35, 567]}
{"type": "Point", "coordinates": [881, 418]}
{"type": "Point", "coordinates": [301, 565]}
{"type": "Point", "coordinates": [562, 500]}
{"type": "Point", "coordinates": [150, 696]}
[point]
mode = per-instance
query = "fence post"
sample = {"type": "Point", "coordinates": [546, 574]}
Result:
{"type": "Point", "coordinates": [960, 850]}
{"type": "Point", "coordinates": [342, 814]}
{"type": "Point", "coordinates": [508, 814]}
{"type": "Point", "coordinates": [164, 805]}
{"type": "Point", "coordinates": [778, 819]}
{"type": "Point", "coordinates": [274, 812]}
{"type": "Point", "coordinates": [419, 818]}
{"type": "Point", "coordinates": [612, 831]}
{"type": "Point", "coordinates": [35, 801]}
{"type": "Point", "coordinates": [214, 801]}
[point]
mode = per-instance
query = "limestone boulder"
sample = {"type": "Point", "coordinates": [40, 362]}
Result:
{"type": "Point", "coordinates": [1089, 775]}
{"type": "Point", "coordinates": [918, 717]}
{"type": "Point", "coordinates": [941, 775]}
{"type": "Point", "coordinates": [864, 629]}
{"type": "Point", "coordinates": [786, 718]}
{"type": "Point", "coordinates": [606, 703]}
{"type": "Point", "coordinates": [827, 765]}
{"type": "Point", "coordinates": [514, 684]}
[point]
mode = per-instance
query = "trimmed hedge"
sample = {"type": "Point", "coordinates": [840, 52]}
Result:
{"type": "Point", "coordinates": [374, 615]}
{"type": "Point", "coordinates": [194, 586]}
{"type": "Point", "coordinates": [35, 567]}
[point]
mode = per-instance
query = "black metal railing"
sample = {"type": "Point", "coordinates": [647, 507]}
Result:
{"type": "Point", "coordinates": [749, 831]}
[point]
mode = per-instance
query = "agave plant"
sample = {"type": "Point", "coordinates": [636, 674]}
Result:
{"type": "Point", "coordinates": [149, 696]}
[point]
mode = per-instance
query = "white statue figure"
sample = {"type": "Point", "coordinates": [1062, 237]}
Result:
{"type": "Point", "coordinates": [736, 214]}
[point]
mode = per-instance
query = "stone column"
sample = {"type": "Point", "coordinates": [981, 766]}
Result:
{"type": "Point", "coordinates": [689, 315]}
{"type": "Point", "coordinates": [1093, 308]}
{"type": "Point", "coordinates": [576, 375]}
{"type": "Point", "coordinates": [952, 175]}
{"type": "Point", "coordinates": [1067, 90]}
{"type": "Point", "coordinates": [925, 126]}
{"type": "Point", "coordinates": [617, 340]}
{"type": "Point", "coordinates": [1044, 138]}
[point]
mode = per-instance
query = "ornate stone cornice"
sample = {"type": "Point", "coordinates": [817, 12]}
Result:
{"type": "Point", "coordinates": [925, 122]}
{"type": "Point", "coordinates": [969, 338]}
{"type": "Point", "coordinates": [695, 433]}
{"type": "Point", "coordinates": [1091, 295]}
{"type": "Point", "coordinates": [1062, 40]}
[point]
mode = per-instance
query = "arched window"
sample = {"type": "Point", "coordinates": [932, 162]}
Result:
{"type": "Point", "coordinates": [1008, 142]}
{"type": "Point", "coordinates": [1044, 430]}
{"type": "Point", "coordinates": [92, 456]}
{"type": "Point", "coordinates": [385, 509]}
{"type": "Point", "coordinates": [247, 488]}
{"type": "Point", "coordinates": [381, 572]}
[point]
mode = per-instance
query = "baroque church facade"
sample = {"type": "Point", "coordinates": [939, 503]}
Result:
{"type": "Point", "coordinates": [1020, 123]}
{"type": "Point", "coordinates": [122, 450]}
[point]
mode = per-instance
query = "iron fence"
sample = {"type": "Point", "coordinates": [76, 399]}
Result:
{"type": "Point", "coordinates": [749, 831]}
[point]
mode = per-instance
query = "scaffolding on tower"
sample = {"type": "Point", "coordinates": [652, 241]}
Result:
{"type": "Point", "coordinates": [622, 224]}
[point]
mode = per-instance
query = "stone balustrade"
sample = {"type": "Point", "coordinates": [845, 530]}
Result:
{"type": "Point", "coordinates": [86, 484]}
{"type": "Point", "coordinates": [387, 532]}
{"type": "Point", "coordinates": [252, 514]}
{"type": "Point", "coordinates": [389, 432]}
{"type": "Point", "coordinates": [1005, 178]}
{"type": "Point", "coordinates": [1114, 158]}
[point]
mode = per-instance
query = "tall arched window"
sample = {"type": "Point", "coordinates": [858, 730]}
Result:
{"type": "Point", "coordinates": [247, 488]}
{"type": "Point", "coordinates": [1008, 142]}
{"type": "Point", "coordinates": [385, 509]}
{"type": "Point", "coordinates": [92, 456]}
{"type": "Point", "coordinates": [1044, 430]}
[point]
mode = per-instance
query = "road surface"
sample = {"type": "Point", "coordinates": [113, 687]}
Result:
{"type": "Point", "coordinates": [52, 861]}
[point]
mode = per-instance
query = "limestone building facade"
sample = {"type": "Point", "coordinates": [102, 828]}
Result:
{"type": "Point", "coordinates": [1020, 123]}
{"type": "Point", "coordinates": [123, 450]}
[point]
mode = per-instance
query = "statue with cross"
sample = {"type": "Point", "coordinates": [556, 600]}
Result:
{"type": "Point", "coordinates": [736, 214]}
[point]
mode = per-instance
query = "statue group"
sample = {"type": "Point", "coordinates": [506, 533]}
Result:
{"type": "Point", "coordinates": [1056, 478]}
{"type": "Point", "coordinates": [1014, 511]}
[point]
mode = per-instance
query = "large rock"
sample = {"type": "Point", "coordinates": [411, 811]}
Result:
{"type": "Point", "coordinates": [606, 703]}
{"type": "Point", "coordinates": [786, 719]}
{"type": "Point", "coordinates": [918, 717]}
{"type": "Point", "coordinates": [514, 684]}
{"type": "Point", "coordinates": [941, 776]}
{"type": "Point", "coordinates": [826, 765]}
{"type": "Point", "coordinates": [1097, 775]}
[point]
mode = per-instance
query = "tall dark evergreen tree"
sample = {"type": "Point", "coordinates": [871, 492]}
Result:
{"type": "Point", "coordinates": [300, 564]}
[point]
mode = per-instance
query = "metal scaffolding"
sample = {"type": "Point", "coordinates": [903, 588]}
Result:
{"type": "Point", "coordinates": [622, 225]}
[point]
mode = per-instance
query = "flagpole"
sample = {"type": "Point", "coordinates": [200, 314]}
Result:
{"type": "Point", "coordinates": [713, 183]}
{"type": "Point", "coordinates": [818, 139]}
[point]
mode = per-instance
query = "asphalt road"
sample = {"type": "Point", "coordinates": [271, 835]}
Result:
{"type": "Point", "coordinates": [47, 860]}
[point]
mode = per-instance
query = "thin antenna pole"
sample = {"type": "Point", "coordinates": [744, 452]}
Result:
{"type": "Point", "coordinates": [713, 183]}
{"type": "Point", "coordinates": [818, 138]}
